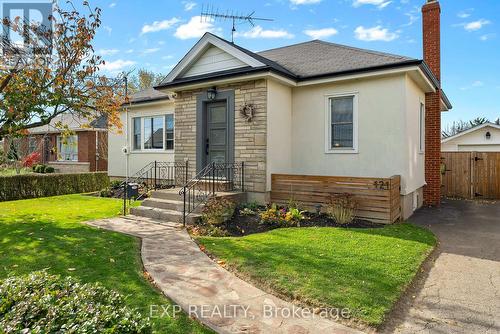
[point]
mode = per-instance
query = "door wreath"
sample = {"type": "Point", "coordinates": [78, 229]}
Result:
{"type": "Point", "coordinates": [248, 111]}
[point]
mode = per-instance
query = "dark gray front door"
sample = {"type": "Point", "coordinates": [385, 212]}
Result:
{"type": "Point", "coordinates": [216, 142]}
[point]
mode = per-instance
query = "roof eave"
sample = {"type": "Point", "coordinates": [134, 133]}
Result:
{"type": "Point", "coordinates": [146, 100]}
{"type": "Point", "coordinates": [218, 76]}
{"type": "Point", "coordinates": [428, 72]}
{"type": "Point", "coordinates": [361, 70]}
{"type": "Point", "coordinates": [445, 102]}
{"type": "Point", "coordinates": [247, 70]}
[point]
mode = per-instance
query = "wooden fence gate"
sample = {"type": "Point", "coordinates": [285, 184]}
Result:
{"type": "Point", "coordinates": [471, 175]}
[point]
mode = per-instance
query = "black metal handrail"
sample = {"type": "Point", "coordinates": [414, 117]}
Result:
{"type": "Point", "coordinates": [155, 175]}
{"type": "Point", "coordinates": [213, 178]}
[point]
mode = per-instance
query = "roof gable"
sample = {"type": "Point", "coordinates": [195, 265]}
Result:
{"type": "Point", "coordinates": [211, 51]}
{"type": "Point", "coordinates": [474, 129]}
{"type": "Point", "coordinates": [213, 59]}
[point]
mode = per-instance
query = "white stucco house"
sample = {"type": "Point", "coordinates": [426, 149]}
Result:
{"type": "Point", "coordinates": [482, 138]}
{"type": "Point", "coordinates": [318, 108]}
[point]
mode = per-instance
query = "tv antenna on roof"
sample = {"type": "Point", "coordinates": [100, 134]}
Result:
{"type": "Point", "coordinates": [210, 14]}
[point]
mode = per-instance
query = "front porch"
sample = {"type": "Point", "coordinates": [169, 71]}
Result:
{"type": "Point", "coordinates": [172, 196]}
{"type": "Point", "coordinates": [201, 139]}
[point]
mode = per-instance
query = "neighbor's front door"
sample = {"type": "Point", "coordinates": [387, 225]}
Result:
{"type": "Point", "coordinates": [216, 141]}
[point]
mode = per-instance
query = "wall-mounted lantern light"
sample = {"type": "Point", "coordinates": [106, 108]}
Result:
{"type": "Point", "coordinates": [488, 135]}
{"type": "Point", "coordinates": [212, 93]}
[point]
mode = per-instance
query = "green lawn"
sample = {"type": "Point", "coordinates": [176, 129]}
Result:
{"type": "Point", "coordinates": [48, 233]}
{"type": "Point", "coordinates": [12, 171]}
{"type": "Point", "coordinates": [364, 270]}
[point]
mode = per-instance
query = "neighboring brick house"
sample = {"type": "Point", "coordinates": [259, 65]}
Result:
{"type": "Point", "coordinates": [320, 109]}
{"type": "Point", "coordinates": [84, 150]}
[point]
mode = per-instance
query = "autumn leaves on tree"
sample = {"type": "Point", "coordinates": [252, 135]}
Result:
{"type": "Point", "coordinates": [55, 71]}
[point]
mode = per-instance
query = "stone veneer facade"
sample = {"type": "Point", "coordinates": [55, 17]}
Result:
{"type": "Point", "coordinates": [250, 137]}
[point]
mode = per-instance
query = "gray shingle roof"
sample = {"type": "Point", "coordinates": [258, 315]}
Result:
{"type": "Point", "coordinates": [317, 58]}
{"type": "Point", "coordinates": [73, 121]}
{"type": "Point", "coordinates": [147, 95]}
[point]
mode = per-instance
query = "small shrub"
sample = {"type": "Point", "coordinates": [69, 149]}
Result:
{"type": "Point", "coordinates": [342, 209]}
{"type": "Point", "coordinates": [254, 206]}
{"type": "Point", "coordinates": [282, 216]}
{"type": "Point", "coordinates": [218, 210]}
{"type": "Point", "coordinates": [43, 303]}
{"type": "Point", "coordinates": [294, 215]}
{"type": "Point", "coordinates": [40, 169]}
{"type": "Point", "coordinates": [31, 159]}
{"type": "Point", "coordinates": [273, 216]}
{"type": "Point", "coordinates": [293, 204]}
{"type": "Point", "coordinates": [49, 169]}
{"type": "Point", "coordinates": [116, 184]}
{"type": "Point", "coordinates": [106, 192]}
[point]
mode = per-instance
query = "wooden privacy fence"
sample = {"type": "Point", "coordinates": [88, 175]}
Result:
{"type": "Point", "coordinates": [377, 199]}
{"type": "Point", "coordinates": [471, 175]}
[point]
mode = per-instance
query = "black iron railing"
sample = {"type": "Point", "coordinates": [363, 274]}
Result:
{"type": "Point", "coordinates": [155, 175]}
{"type": "Point", "coordinates": [214, 178]}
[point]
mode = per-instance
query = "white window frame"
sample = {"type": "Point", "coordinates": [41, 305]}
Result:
{"type": "Point", "coordinates": [328, 124]}
{"type": "Point", "coordinates": [165, 131]}
{"type": "Point", "coordinates": [143, 138]}
{"type": "Point", "coordinates": [421, 128]}
{"type": "Point", "coordinates": [59, 143]}
{"type": "Point", "coordinates": [132, 131]}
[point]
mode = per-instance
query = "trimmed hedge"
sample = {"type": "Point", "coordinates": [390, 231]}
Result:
{"type": "Point", "coordinates": [43, 303]}
{"type": "Point", "coordinates": [26, 186]}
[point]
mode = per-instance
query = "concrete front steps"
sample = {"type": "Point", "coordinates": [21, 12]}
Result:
{"type": "Point", "coordinates": [167, 206]}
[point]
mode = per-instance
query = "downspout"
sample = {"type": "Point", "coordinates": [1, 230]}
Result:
{"type": "Point", "coordinates": [126, 145]}
{"type": "Point", "coordinates": [96, 150]}
{"type": "Point", "coordinates": [126, 132]}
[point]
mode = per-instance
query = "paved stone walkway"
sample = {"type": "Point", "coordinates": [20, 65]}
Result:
{"type": "Point", "coordinates": [219, 299]}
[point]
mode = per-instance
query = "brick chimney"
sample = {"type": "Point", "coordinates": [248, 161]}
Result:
{"type": "Point", "coordinates": [431, 17]}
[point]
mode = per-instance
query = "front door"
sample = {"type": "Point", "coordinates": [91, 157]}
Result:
{"type": "Point", "coordinates": [216, 141]}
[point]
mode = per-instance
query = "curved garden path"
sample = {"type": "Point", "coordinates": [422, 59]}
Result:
{"type": "Point", "coordinates": [203, 289]}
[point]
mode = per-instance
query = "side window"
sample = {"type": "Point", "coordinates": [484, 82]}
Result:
{"type": "Point", "coordinates": [342, 122]}
{"type": "Point", "coordinates": [422, 128]}
{"type": "Point", "coordinates": [137, 133]}
{"type": "Point", "coordinates": [169, 132]}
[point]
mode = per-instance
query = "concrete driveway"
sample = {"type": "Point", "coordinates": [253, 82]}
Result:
{"type": "Point", "coordinates": [461, 293]}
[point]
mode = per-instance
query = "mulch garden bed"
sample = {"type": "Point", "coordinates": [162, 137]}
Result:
{"type": "Point", "coordinates": [240, 225]}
